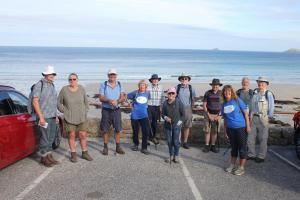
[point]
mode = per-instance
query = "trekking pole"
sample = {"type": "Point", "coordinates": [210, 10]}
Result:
{"type": "Point", "coordinates": [218, 140]}
{"type": "Point", "coordinates": [171, 142]}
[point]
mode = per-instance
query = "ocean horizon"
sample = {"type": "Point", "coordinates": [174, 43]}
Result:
{"type": "Point", "coordinates": [21, 67]}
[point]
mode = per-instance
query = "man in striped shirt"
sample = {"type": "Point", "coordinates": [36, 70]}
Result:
{"type": "Point", "coordinates": [155, 104]}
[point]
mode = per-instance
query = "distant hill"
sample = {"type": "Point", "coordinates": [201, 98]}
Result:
{"type": "Point", "coordinates": [293, 50]}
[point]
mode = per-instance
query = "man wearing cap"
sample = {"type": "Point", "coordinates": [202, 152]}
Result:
{"type": "Point", "coordinates": [155, 104]}
{"type": "Point", "coordinates": [212, 108]}
{"type": "Point", "coordinates": [44, 102]}
{"type": "Point", "coordinates": [111, 96]}
{"type": "Point", "coordinates": [186, 94]}
{"type": "Point", "coordinates": [261, 110]}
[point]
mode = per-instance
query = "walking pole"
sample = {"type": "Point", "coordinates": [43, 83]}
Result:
{"type": "Point", "coordinates": [218, 141]}
{"type": "Point", "coordinates": [171, 143]}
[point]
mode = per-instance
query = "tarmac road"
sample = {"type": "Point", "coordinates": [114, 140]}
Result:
{"type": "Point", "coordinates": [137, 176]}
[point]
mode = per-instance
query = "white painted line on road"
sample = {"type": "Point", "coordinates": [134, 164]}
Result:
{"type": "Point", "coordinates": [190, 181]}
{"type": "Point", "coordinates": [284, 159]}
{"type": "Point", "coordinates": [36, 182]}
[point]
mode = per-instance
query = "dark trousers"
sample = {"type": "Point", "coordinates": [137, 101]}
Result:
{"type": "Point", "coordinates": [144, 123]}
{"type": "Point", "coordinates": [238, 141]}
{"type": "Point", "coordinates": [154, 115]}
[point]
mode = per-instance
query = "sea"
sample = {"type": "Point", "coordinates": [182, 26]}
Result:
{"type": "Point", "coordinates": [21, 67]}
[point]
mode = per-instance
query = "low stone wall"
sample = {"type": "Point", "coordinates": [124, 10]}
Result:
{"type": "Point", "coordinates": [279, 135]}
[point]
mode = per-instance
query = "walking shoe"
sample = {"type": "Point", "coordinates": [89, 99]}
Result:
{"type": "Point", "coordinates": [206, 149]}
{"type": "Point", "coordinates": [168, 160]}
{"type": "Point", "coordinates": [214, 149]}
{"type": "Point", "coordinates": [185, 145]}
{"type": "Point", "coordinates": [175, 160]}
{"type": "Point", "coordinates": [105, 151]}
{"type": "Point", "coordinates": [51, 159]}
{"type": "Point", "coordinates": [259, 160]}
{"type": "Point", "coordinates": [86, 156]}
{"type": "Point", "coordinates": [73, 158]}
{"type": "Point", "coordinates": [239, 171]}
{"type": "Point", "coordinates": [135, 148]}
{"type": "Point", "coordinates": [46, 162]}
{"type": "Point", "coordinates": [154, 141]}
{"type": "Point", "coordinates": [148, 143]}
{"type": "Point", "coordinates": [119, 150]}
{"type": "Point", "coordinates": [251, 158]}
{"type": "Point", "coordinates": [145, 151]}
{"type": "Point", "coordinates": [231, 168]}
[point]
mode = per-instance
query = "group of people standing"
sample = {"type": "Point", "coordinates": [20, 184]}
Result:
{"type": "Point", "coordinates": [246, 113]}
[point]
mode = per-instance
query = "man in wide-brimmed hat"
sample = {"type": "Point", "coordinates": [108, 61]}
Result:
{"type": "Point", "coordinates": [44, 102]}
{"type": "Point", "coordinates": [261, 110]}
{"type": "Point", "coordinates": [212, 108]}
{"type": "Point", "coordinates": [187, 95]}
{"type": "Point", "coordinates": [155, 104]}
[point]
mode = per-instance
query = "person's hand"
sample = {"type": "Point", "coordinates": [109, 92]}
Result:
{"type": "Point", "coordinates": [210, 117]}
{"type": "Point", "coordinates": [168, 119]}
{"type": "Point", "coordinates": [248, 130]}
{"type": "Point", "coordinates": [226, 136]}
{"type": "Point", "coordinates": [42, 121]}
{"type": "Point", "coordinates": [57, 120]}
{"type": "Point", "coordinates": [217, 118]}
{"type": "Point", "coordinates": [114, 103]}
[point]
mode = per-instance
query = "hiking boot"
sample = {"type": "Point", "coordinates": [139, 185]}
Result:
{"type": "Point", "coordinates": [135, 148]}
{"type": "Point", "coordinates": [154, 141]}
{"type": "Point", "coordinates": [51, 159]}
{"type": "Point", "coordinates": [119, 150]}
{"type": "Point", "coordinates": [105, 151]}
{"type": "Point", "coordinates": [251, 158]}
{"type": "Point", "coordinates": [145, 151]}
{"type": "Point", "coordinates": [185, 145]}
{"type": "Point", "coordinates": [86, 156]}
{"type": "Point", "coordinates": [231, 168]}
{"type": "Point", "coordinates": [46, 162]}
{"type": "Point", "coordinates": [214, 149]}
{"type": "Point", "coordinates": [175, 160]}
{"type": "Point", "coordinates": [239, 171]}
{"type": "Point", "coordinates": [148, 143]}
{"type": "Point", "coordinates": [206, 149]}
{"type": "Point", "coordinates": [259, 160]}
{"type": "Point", "coordinates": [73, 158]}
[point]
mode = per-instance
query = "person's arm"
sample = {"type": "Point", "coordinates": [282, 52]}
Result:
{"type": "Point", "coordinates": [36, 93]}
{"type": "Point", "coordinates": [193, 97]}
{"type": "Point", "coordinates": [60, 101]}
{"type": "Point", "coordinates": [86, 101]}
{"type": "Point", "coordinates": [164, 114]}
{"type": "Point", "coordinates": [246, 116]}
{"type": "Point", "coordinates": [225, 130]}
{"type": "Point", "coordinates": [271, 105]}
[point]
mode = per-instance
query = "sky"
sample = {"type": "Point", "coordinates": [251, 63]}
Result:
{"type": "Point", "coordinates": [256, 25]}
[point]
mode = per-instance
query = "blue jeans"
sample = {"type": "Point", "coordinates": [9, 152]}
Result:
{"type": "Point", "coordinates": [47, 136]}
{"type": "Point", "coordinates": [173, 140]}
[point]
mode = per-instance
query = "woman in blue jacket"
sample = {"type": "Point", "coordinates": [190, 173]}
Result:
{"type": "Point", "coordinates": [236, 125]}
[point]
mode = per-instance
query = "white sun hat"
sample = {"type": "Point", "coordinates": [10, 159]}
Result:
{"type": "Point", "coordinates": [112, 71]}
{"type": "Point", "coordinates": [49, 70]}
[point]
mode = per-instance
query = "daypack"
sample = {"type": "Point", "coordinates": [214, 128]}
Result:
{"type": "Point", "coordinates": [255, 91]}
{"type": "Point", "coordinates": [238, 93]}
{"type": "Point", "coordinates": [30, 108]}
{"type": "Point", "coordinates": [296, 120]}
{"type": "Point", "coordinates": [105, 87]}
{"type": "Point", "coordinates": [191, 91]}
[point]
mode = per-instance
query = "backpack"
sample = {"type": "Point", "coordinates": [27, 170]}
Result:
{"type": "Point", "coordinates": [239, 91]}
{"type": "Point", "coordinates": [296, 120]}
{"type": "Point", "coordinates": [105, 87]}
{"type": "Point", "coordinates": [191, 92]}
{"type": "Point", "coordinates": [30, 108]}
{"type": "Point", "coordinates": [255, 91]}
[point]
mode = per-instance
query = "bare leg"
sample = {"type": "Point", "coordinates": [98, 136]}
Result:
{"type": "Point", "coordinates": [71, 141]}
{"type": "Point", "coordinates": [213, 138]}
{"type": "Point", "coordinates": [186, 132]}
{"type": "Point", "coordinates": [207, 138]}
{"type": "Point", "coordinates": [83, 137]}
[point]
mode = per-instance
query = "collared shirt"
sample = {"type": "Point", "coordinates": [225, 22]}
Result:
{"type": "Point", "coordinates": [157, 95]}
{"type": "Point", "coordinates": [260, 105]}
{"type": "Point", "coordinates": [47, 96]}
{"type": "Point", "coordinates": [110, 93]}
{"type": "Point", "coordinates": [184, 95]}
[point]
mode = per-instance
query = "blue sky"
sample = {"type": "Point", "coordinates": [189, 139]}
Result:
{"type": "Point", "coordinates": [256, 25]}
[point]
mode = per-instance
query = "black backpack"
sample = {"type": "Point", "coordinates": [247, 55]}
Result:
{"type": "Point", "coordinates": [255, 91]}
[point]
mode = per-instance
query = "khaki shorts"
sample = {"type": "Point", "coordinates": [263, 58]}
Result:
{"type": "Point", "coordinates": [187, 117]}
{"type": "Point", "coordinates": [211, 127]}
{"type": "Point", "coordinates": [73, 127]}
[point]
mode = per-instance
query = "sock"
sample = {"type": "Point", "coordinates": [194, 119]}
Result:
{"type": "Point", "coordinates": [105, 145]}
{"type": "Point", "coordinates": [117, 144]}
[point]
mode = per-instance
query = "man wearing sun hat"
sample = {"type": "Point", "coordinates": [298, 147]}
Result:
{"type": "Point", "coordinates": [111, 96]}
{"type": "Point", "coordinates": [212, 108]}
{"type": "Point", "coordinates": [44, 102]}
{"type": "Point", "coordinates": [155, 104]}
{"type": "Point", "coordinates": [261, 110]}
{"type": "Point", "coordinates": [186, 94]}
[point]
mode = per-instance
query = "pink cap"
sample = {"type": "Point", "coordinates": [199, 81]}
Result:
{"type": "Point", "coordinates": [172, 89]}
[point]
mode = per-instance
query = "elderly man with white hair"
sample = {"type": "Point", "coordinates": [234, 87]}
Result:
{"type": "Point", "coordinates": [245, 93]}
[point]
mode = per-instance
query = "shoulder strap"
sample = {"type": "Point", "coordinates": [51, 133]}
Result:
{"type": "Point", "coordinates": [105, 87]}
{"type": "Point", "coordinates": [238, 92]}
{"type": "Point", "coordinates": [119, 84]}
{"type": "Point", "coordinates": [178, 88]}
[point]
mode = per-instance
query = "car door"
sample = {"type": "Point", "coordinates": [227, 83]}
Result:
{"type": "Point", "coordinates": [8, 149]}
{"type": "Point", "coordinates": [26, 138]}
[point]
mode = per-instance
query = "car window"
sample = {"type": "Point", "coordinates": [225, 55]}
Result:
{"type": "Point", "coordinates": [5, 108]}
{"type": "Point", "coordinates": [19, 101]}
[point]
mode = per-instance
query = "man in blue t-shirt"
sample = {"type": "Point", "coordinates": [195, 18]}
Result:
{"type": "Point", "coordinates": [139, 115]}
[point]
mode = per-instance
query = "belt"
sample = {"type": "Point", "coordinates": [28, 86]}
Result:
{"type": "Point", "coordinates": [110, 110]}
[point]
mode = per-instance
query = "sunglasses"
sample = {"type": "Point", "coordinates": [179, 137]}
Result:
{"type": "Point", "coordinates": [171, 93]}
{"type": "Point", "coordinates": [72, 79]}
{"type": "Point", "coordinates": [184, 78]}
